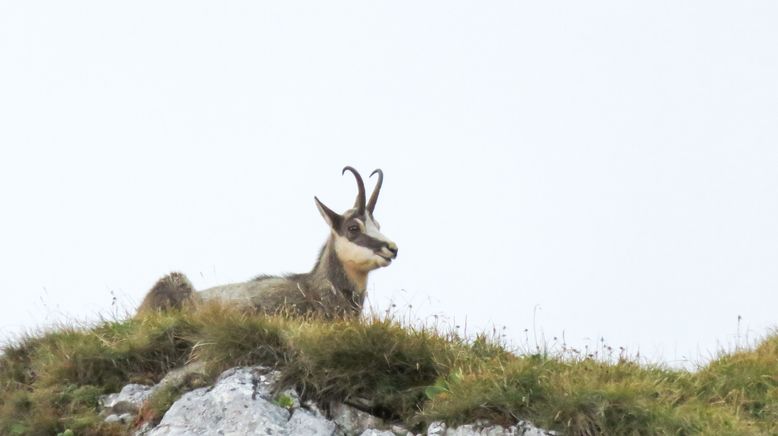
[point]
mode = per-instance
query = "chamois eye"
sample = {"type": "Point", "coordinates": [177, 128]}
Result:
{"type": "Point", "coordinates": [353, 229]}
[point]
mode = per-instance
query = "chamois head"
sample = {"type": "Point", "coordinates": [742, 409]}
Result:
{"type": "Point", "coordinates": [358, 241]}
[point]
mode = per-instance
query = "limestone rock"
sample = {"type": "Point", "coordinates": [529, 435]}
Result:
{"type": "Point", "coordinates": [128, 400]}
{"type": "Point", "coordinates": [125, 418]}
{"type": "Point", "coordinates": [243, 402]}
{"type": "Point", "coordinates": [306, 423]}
{"type": "Point", "coordinates": [352, 421]}
{"type": "Point", "coordinates": [374, 432]}
{"type": "Point", "coordinates": [523, 428]}
{"type": "Point", "coordinates": [238, 404]}
{"type": "Point", "coordinates": [399, 430]}
{"type": "Point", "coordinates": [436, 428]}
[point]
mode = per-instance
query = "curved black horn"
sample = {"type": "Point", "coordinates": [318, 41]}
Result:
{"type": "Point", "coordinates": [360, 202]}
{"type": "Point", "coordinates": [376, 190]}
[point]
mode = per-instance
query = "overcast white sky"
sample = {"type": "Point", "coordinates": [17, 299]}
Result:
{"type": "Point", "coordinates": [612, 164]}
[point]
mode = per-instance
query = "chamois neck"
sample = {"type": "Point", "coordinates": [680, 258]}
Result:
{"type": "Point", "coordinates": [344, 278]}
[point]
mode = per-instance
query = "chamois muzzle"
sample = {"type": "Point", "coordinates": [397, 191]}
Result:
{"type": "Point", "coordinates": [388, 251]}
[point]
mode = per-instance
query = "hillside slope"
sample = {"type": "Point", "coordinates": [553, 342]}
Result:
{"type": "Point", "coordinates": [51, 382]}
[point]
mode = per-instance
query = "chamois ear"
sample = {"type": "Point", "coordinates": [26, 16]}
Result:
{"type": "Point", "coordinates": [333, 219]}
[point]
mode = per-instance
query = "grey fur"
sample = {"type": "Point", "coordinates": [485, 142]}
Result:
{"type": "Point", "coordinates": [327, 291]}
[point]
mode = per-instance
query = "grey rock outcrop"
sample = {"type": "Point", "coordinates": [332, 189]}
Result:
{"type": "Point", "coordinates": [128, 400]}
{"type": "Point", "coordinates": [239, 403]}
{"type": "Point", "coordinates": [123, 407]}
{"type": "Point", "coordinates": [522, 428]}
{"type": "Point", "coordinates": [351, 421]}
{"type": "Point", "coordinates": [305, 422]}
{"type": "Point", "coordinates": [243, 402]}
{"type": "Point", "coordinates": [374, 432]}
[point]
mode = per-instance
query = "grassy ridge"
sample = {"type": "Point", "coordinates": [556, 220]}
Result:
{"type": "Point", "coordinates": [51, 382]}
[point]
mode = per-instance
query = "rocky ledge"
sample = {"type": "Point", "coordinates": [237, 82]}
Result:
{"type": "Point", "coordinates": [243, 402]}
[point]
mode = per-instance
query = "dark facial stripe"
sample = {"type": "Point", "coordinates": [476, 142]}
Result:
{"type": "Point", "coordinates": [370, 242]}
{"type": "Point", "coordinates": [359, 238]}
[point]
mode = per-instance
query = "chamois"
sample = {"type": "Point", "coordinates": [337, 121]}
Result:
{"type": "Point", "coordinates": [336, 285]}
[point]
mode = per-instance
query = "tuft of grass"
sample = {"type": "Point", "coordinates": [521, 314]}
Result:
{"type": "Point", "coordinates": [376, 362]}
{"type": "Point", "coordinates": [51, 382]}
{"type": "Point", "coordinates": [227, 338]}
{"type": "Point", "coordinates": [284, 401]}
{"type": "Point", "coordinates": [582, 397]}
{"type": "Point", "coordinates": [746, 381]}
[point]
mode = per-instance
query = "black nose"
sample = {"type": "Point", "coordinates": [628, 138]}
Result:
{"type": "Point", "coordinates": [393, 248]}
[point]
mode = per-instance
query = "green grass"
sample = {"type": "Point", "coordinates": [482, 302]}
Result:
{"type": "Point", "coordinates": [50, 382]}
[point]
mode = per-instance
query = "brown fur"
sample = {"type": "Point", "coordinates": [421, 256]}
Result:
{"type": "Point", "coordinates": [326, 291]}
{"type": "Point", "coordinates": [170, 292]}
{"type": "Point", "coordinates": [330, 290]}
